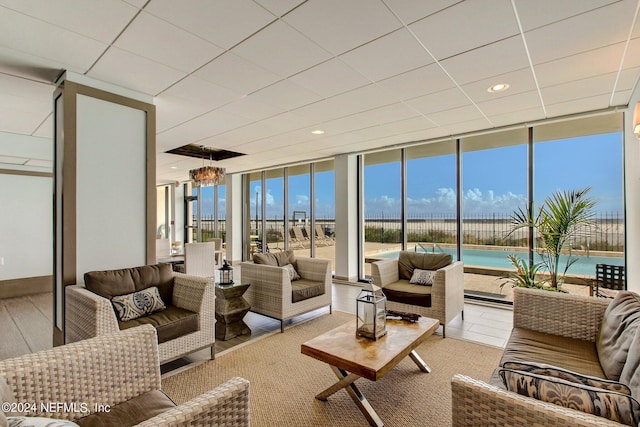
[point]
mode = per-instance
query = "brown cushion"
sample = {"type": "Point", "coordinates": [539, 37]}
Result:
{"type": "Point", "coordinates": [575, 355]}
{"type": "Point", "coordinates": [111, 283]}
{"type": "Point", "coordinates": [130, 412]}
{"type": "Point", "coordinates": [404, 292]}
{"type": "Point", "coordinates": [304, 289]}
{"type": "Point", "coordinates": [279, 259]}
{"type": "Point", "coordinates": [266, 259]}
{"type": "Point", "coordinates": [407, 261]}
{"type": "Point", "coordinates": [617, 331]}
{"type": "Point", "coordinates": [171, 323]}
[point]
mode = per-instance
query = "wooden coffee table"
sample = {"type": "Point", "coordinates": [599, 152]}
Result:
{"type": "Point", "coordinates": [352, 357]}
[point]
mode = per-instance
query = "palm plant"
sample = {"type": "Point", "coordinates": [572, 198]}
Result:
{"type": "Point", "coordinates": [524, 276]}
{"type": "Point", "coordinates": [563, 217]}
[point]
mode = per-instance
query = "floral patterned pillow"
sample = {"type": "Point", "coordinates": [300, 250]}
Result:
{"type": "Point", "coordinates": [617, 407]}
{"type": "Point", "coordinates": [422, 277]}
{"type": "Point", "coordinates": [38, 422]}
{"type": "Point", "coordinates": [138, 304]}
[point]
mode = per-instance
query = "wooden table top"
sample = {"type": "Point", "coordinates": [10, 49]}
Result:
{"type": "Point", "coordinates": [369, 359]}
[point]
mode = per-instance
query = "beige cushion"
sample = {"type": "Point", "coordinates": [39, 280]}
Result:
{"type": "Point", "coordinates": [408, 261]}
{"type": "Point", "coordinates": [618, 407]}
{"type": "Point", "coordinates": [130, 412]}
{"type": "Point", "coordinates": [111, 283]}
{"type": "Point", "coordinates": [138, 304]}
{"type": "Point", "coordinates": [617, 331]}
{"type": "Point", "coordinates": [575, 355]}
{"type": "Point", "coordinates": [631, 371]}
{"type": "Point", "coordinates": [279, 259]}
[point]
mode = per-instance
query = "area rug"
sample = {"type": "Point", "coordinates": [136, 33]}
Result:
{"type": "Point", "coordinates": [284, 381]}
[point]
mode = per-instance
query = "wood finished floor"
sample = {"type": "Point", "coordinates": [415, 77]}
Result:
{"type": "Point", "coordinates": [26, 325]}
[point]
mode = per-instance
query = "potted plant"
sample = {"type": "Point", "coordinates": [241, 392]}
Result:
{"type": "Point", "coordinates": [563, 217]}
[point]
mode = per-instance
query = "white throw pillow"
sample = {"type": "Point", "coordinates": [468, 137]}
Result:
{"type": "Point", "coordinates": [422, 277]}
{"type": "Point", "coordinates": [293, 274]}
{"type": "Point", "coordinates": [39, 422]}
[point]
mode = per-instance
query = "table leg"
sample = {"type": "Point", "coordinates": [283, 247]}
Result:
{"type": "Point", "coordinates": [418, 360]}
{"type": "Point", "coordinates": [346, 381]}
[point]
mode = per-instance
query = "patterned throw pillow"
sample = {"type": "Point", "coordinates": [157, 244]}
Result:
{"type": "Point", "coordinates": [422, 277]}
{"type": "Point", "coordinates": [564, 374]}
{"type": "Point", "coordinates": [293, 274]}
{"type": "Point", "coordinates": [38, 422]}
{"type": "Point", "coordinates": [138, 304]}
{"type": "Point", "coordinates": [617, 407]}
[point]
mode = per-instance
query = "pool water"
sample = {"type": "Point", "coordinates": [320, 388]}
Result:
{"type": "Point", "coordinates": [585, 265]}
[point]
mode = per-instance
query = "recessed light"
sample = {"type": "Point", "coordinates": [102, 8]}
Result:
{"type": "Point", "coordinates": [317, 132]}
{"type": "Point", "coordinates": [174, 167]}
{"type": "Point", "coordinates": [498, 87]}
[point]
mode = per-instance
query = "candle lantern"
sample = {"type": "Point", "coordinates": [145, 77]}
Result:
{"type": "Point", "coordinates": [226, 274]}
{"type": "Point", "coordinates": [371, 313]}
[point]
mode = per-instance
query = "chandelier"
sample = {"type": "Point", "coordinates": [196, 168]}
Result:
{"type": "Point", "coordinates": [206, 175]}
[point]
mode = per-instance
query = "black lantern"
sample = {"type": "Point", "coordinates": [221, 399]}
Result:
{"type": "Point", "coordinates": [371, 313]}
{"type": "Point", "coordinates": [226, 274]}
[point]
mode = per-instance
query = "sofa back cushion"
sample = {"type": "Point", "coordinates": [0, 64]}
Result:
{"type": "Point", "coordinates": [408, 261]}
{"type": "Point", "coordinates": [617, 332]}
{"type": "Point", "coordinates": [111, 283]}
{"type": "Point", "coordinates": [278, 259]}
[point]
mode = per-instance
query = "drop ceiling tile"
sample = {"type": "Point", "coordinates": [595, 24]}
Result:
{"type": "Point", "coordinates": [439, 101]}
{"type": "Point", "coordinates": [466, 26]}
{"type": "Point", "coordinates": [534, 14]}
{"type": "Point", "coordinates": [521, 116]}
{"type": "Point", "coordinates": [577, 89]}
{"type": "Point", "coordinates": [578, 105]}
{"type": "Point", "coordinates": [102, 21]}
{"type": "Point", "coordinates": [415, 83]}
{"type": "Point", "coordinates": [519, 81]}
{"type": "Point", "coordinates": [11, 160]}
{"type": "Point", "coordinates": [580, 66]}
{"type": "Point", "coordinates": [39, 163]}
{"type": "Point", "coordinates": [45, 129]}
{"type": "Point", "coordinates": [237, 74]}
{"type": "Point", "coordinates": [581, 33]}
{"type": "Point", "coordinates": [339, 26]}
{"type": "Point", "coordinates": [330, 78]}
{"type": "Point", "coordinates": [279, 7]}
{"type": "Point", "coordinates": [408, 125]}
{"type": "Point", "coordinates": [468, 126]}
{"type": "Point", "coordinates": [514, 102]}
{"type": "Point", "coordinates": [251, 108]}
{"type": "Point", "coordinates": [207, 125]}
{"type": "Point", "coordinates": [410, 11]}
{"type": "Point", "coordinates": [172, 111]}
{"type": "Point", "coordinates": [281, 50]}
{"type": "Point", "coordinates": [285, 95]}
{"type": "Point", "coordinates": [17, 116]}
{"type": "Point", "coordinates": [222, 22]}
{"type": "Point", "coordinates": [628, 78]}
{"type": "Point", "coordinates": [202, 92]}
{"type": "Point", "coordinates": [388, 56]}
{"type": "Point", "coordinates": [160, 41]}
{"type": "Point", "coordinates": [632, 57]}
{"type": "Point", "coordinates": [33, 67]}
{"type": "Point", "coordinates": [34, 37]}
{"type": "Point", "coordinates": [622, 98]}
{"type": "Point", "coordinates": [487, 61]}
{"type": "Point", "coordinates": [465, 113]}
{"type": "Point", "coordinates": [134, 72]}
{"type": "Point", "coordinates": [389, 113]}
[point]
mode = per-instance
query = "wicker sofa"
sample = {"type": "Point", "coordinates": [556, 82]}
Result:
{"type": "Point", "coordinates": [120, 373]}
{"type": "Point", "coordinates": [571, 332]}
{"type": "Point", "coordinates": [275, 293]}
{"type": "Point", "coordinates": [185, 326]}
{"type": "Point", "coordinates": [442, 300]}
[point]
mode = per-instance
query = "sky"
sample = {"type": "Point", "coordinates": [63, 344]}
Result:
{"type": "Point", "coordinates": [494, 181]}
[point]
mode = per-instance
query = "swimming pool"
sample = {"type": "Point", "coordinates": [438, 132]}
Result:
{"type": "Point", "coordinates": [586, 265]}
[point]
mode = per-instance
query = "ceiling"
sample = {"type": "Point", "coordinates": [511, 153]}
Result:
{"type": "Point", "coordinates": [257, 76]}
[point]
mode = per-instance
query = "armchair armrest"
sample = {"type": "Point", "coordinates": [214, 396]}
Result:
{"type": "Point", "coordinates": [476, 403]}
{"type": "Point", "coordinates": [87, 314]}
{"type": "Point", "coordinates": [448, 289]}
{"type": "Point", "coordinates": [384, 272]}
{"type": "Point", "coordinates": [567, 315]}
{"type": "Point", "coordinates": [316, 269]}
{"type": "Point", "coordinates": [225, 405]}
{"type": "Point", "coordinates": [106, 370]}
{"type": "Point", "coordinates": [189, 291]}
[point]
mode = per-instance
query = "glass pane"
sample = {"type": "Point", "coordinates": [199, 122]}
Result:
{"type": "Point", "coordinates": [255, 210]}
{"type": "Point", "coordinates": [222, 211]}
{"type": "Point", "coordinates": [299, 209]}
{"type": "Point", "coordinates": [494, 178]}
{"type": "Point", "coordinates": [207, 225]}
{"type": "Point", "coordinates": [275, 209]}
{"type": "Point", "coordinates": [431, 198]}
{"type": "Point", "coordinates": [382, 205]}
{"type": "Point", "coordinates": [571, 156]}
{"type": "Point", "coordinates": [325, 212]}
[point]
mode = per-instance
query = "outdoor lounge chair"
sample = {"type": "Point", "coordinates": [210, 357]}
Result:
{"type": "Point", "coordinates": [323, 237]}
{"type": "Point", "coordinates": [299, 237]}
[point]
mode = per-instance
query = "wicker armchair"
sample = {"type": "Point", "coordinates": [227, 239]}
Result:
{"type": "Point", "coordinates": [447, 291]}
{"type": "Point", "coordinates": [270, 293]}
{"type": "Point", "coordinates": [89, 314]}
{"type": "Point", "coordinates": [573, 316]}
{"type": "Point", "coordinates": [111, 370]}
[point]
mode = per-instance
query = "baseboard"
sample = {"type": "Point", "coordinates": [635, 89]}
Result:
{"type": "Point", "coordinates": [26, 286]}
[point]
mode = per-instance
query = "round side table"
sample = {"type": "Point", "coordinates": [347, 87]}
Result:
{"type": "Point", "coordinates": [230, 309]}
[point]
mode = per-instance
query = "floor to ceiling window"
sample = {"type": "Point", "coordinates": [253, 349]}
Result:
{"type": "Point", "coordinates": [325, 211]}
{"type": "Point", "coordinates": [274, 206]}
{"type": "Point", "coordinates": [576, 155]}
{"type": "Point", "coordinates": [299, 186]}
{"type": "Point", "coordinates": [255, 210]}
{"type": "Point", "coordinates": [494, 184]}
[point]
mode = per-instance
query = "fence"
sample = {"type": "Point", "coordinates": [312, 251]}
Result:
{"type": "Point", "coordinates": [606, 233]}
